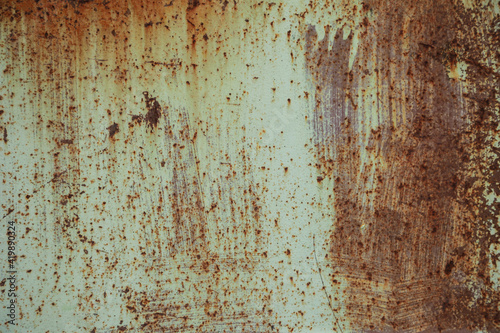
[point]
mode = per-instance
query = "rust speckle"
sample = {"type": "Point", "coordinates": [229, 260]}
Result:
{"type": "Point", "coordinates": [187, 225]}
{"type": "Point", "coordinates": [402, 188]}
{"type": "Point", "coordinates": [153, 115]}
{"type": "Point", "coordinates": [113, 129]}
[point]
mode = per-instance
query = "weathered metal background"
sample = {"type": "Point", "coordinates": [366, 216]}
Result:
{"type": "Point", "coordinates": [251, 166]}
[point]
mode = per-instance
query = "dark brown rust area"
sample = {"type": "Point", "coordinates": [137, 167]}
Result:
{"type": "Point", "coordinates": [153, 115]}
{"type": "Point", "coordinates": [79, 2]}
{"type": "Point", "coordinates": [410, 233]}
{"type": "Point", "coordinates": [113, 129]}
{"type": "Point", "coordinates": [192, 4]}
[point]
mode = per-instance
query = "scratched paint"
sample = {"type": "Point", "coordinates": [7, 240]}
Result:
{"type": "Point", "coordinates": [252, 166]}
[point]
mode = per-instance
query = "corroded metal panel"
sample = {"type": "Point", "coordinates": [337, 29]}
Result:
{"type": "Point", "coordinates": [250, 166]}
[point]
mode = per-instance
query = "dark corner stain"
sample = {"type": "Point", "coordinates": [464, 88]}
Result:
{"type": "Point", "coordinates": [153, 115]}
{"type": "Point", "coordinates": [113, 129]}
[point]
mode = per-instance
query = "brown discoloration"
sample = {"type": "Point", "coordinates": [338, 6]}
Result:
{"type": "Point", "coordinates": [401, 183]}
{"type": "Point", "coordinates": [168, 227]}
{"type": "Point", "coordinates": [113, 129]}
{"type": "Point", "coordinates": [78, 2]}
{"type": "Point", "coordinates": [192, 4]}
{"type": "Point", "coordinates": [152, 117]}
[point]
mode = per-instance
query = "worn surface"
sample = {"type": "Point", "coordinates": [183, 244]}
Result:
{"type": "Point", "coordinates": [248, 166]}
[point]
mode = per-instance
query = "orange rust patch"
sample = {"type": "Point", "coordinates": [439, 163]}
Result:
{"type": "Point", "coordinates": [404, 210]}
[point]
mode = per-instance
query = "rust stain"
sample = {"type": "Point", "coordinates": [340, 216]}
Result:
{"type": "Point", "coordinates": [409, 233]}
{"type": "Point", "coordinates": [191, 221]}
{"type": "Point", "coordinates": [153, 115]}
{"type": "Point", "coordinates": [113, 129]}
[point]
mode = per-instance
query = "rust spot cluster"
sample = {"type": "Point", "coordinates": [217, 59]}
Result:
{"type": "Point", "coordinates": [149, 195]}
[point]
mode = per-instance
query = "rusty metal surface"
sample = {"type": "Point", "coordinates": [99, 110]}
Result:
{"type": "Point", "coordinates": [251, 166]}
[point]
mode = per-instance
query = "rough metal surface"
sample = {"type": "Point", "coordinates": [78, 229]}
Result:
{"type": "Point", "coordinates": [251, 166]}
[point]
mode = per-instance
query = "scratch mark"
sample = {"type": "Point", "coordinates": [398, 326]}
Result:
{"type": "Point", "coordinates": [323, 283]}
